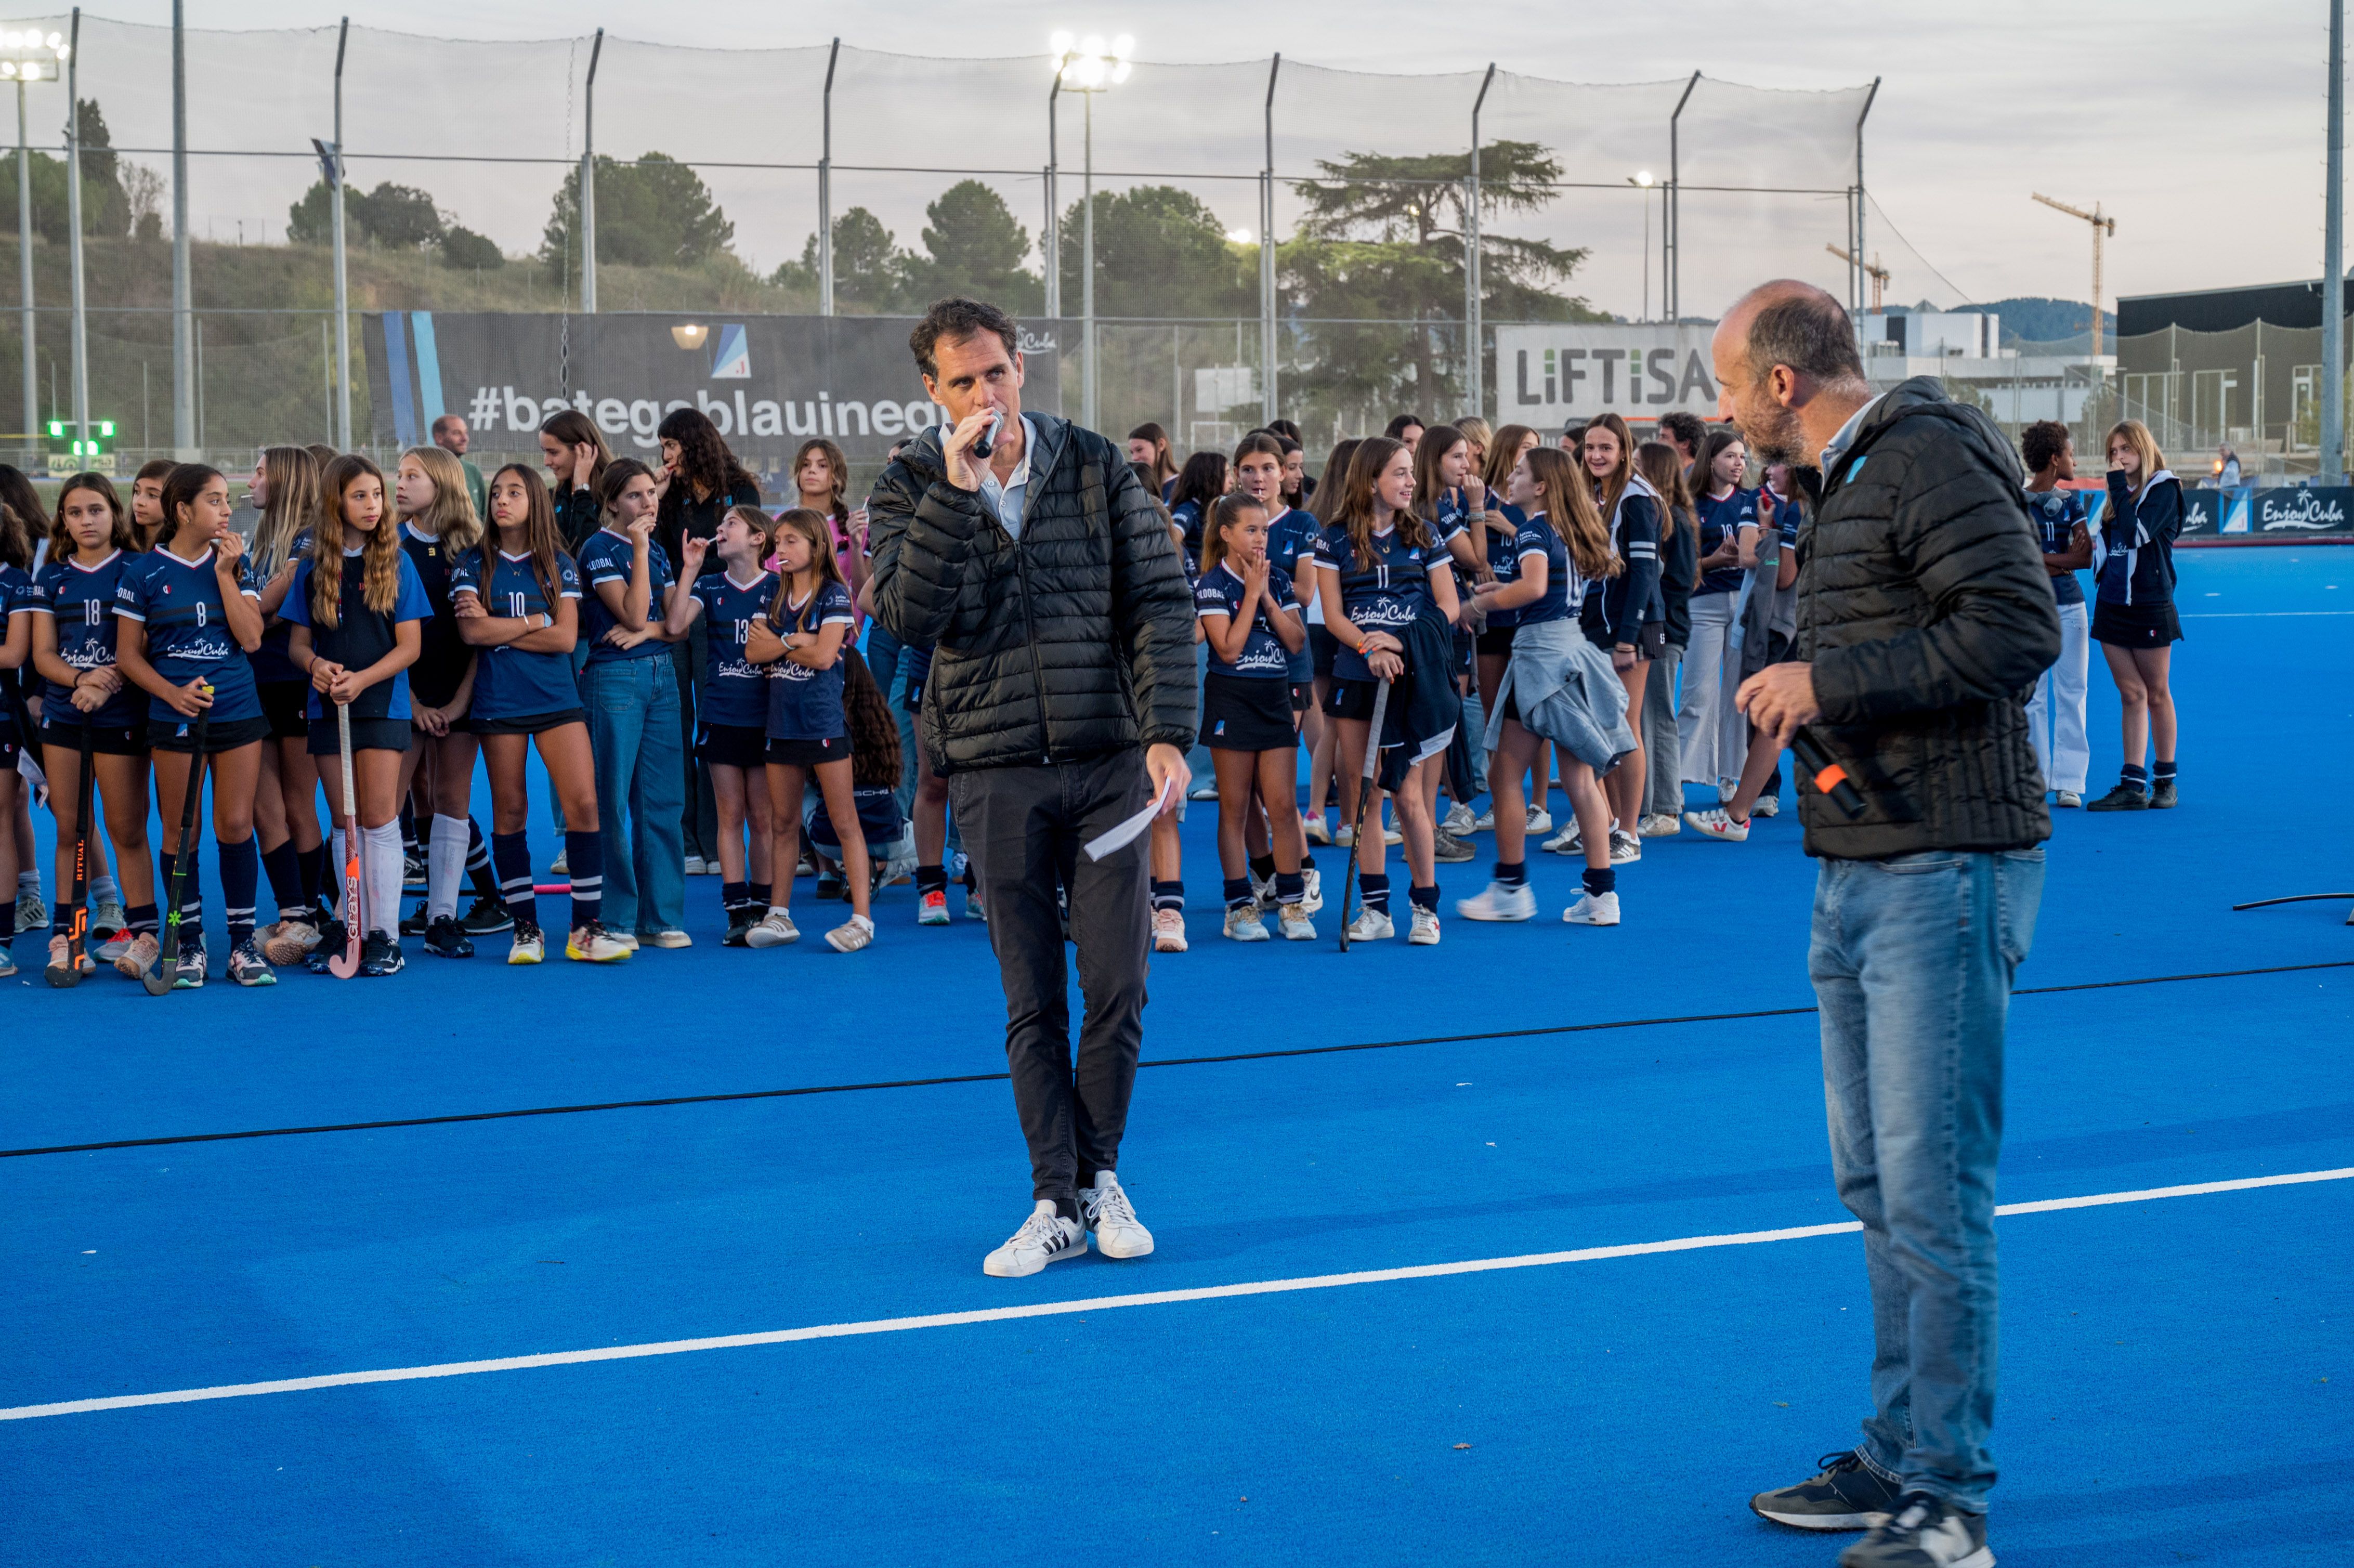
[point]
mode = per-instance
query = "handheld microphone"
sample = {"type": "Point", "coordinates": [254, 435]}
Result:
{"type": "Point", "coordinates": [1830, 777]}
{"type": "Point", "coordinates": [986, 441]}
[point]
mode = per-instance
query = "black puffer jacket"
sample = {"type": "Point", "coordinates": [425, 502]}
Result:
{"type": "Point", "coordinates": [1076, 641]}
{"type": "Point", "coordinates": [1926, 611]}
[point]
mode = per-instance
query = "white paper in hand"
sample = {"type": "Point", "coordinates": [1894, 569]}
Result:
{"type": "Point", "coordinates": [1126, 833]}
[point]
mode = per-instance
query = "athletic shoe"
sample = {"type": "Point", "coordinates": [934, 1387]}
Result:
{"type": "Point", "coordinates": [288, 941]}
{"type": "Point", "coordinates": [1345, 836]}
{"type": "Point", "coordinates": [592, 944]}
{"type": "Point", "coordinates": [1311, 898]}
{"type": "Point", "coordinates": [1370, 926]}
{"type": "Point", "coordinates": [1624, 847]}
{"type": "Point", "coordinates": [1924, 1533]}
{"type": "Point", "coordinates": [739, 925]}
{"type": "Point", "coordinates": [381, 955]}
{"type": "Point", "coordinates": [190, 972]}
{"type": "Point", "coordinates": [973, 908]}
{"type": "Point", "coordinates": [2161, 796]}
{"type": "Point", "coordinates": [1459, 821]}
{"type": "Point", "coordinates": [333, 937]}
{"type": "Point", "coordinates": [1168, 930]}
{"type": "Point", "coordinates": [559, 866]}
{"type": "Point", "coordinates": [807, 866]}
{"type": "Point", "coordinates": [1717, 823]}
{"type": "Point", "coordinates": [932, 909]}
{"type": "Point", "coordinates": [1539, 820]}
{"type": "Point", "coordinates": [670, 938]}
{"type": "Point", "coordinates": [1593, 909]}
{"type": "Point", "coordinates": [1110, 1218]}
{"type": "Point", "coordinates": [445, 938]}
{"type": "Point", "coordinates": [1658, 825]}
{"type": "Point", "coordinates": [486, 918]}
{"type": "Point", "coordinates": [1263, 893]}
{"type": "Point", "coordinates": [1424, 933]}
{"type": "Point", "coordinates": [2123, 797]}
{"type": "Point", "coordinates": [1498, 902]}
{"type": "Point", "coordinates": [59, 946]}
{"type": "Point", "coordinates": [2071, 797]}
{"type": "Point", "coordinates": [1243, 924]}
{"type": "Point", "coordinates": [851, 934]}
{"type": "Point", "coordinates": [8, 961]}
{"type": "Point", "coordinates": [1569, 841]}
{"type": "Point", "coordinates": [1393, 837]}
{"type": "Point", "coordinates": [693, 867]}
{"type": "Point", "coordinates": [1044, 1238]}
{"type": "Point", "coordinates": [628, 939]}
{"type": "Point", "coordinates": [32, 913]}
{"type": "Point", "coordinates": [247, 967]}
{"type": "Point", "coordinates": [1295, 926]}
{"type": "Point", "coordinates": [1485, 822]}
{"type": "Point", "coordinates": [1446, 847]}
{"type": "Point", "coordinates": [1203, 791]}
{"type": "Point", "coordinates": [529, 946]}
{"type": "Point", "coordinates": [416, 923]}
{"type": "Point", "coordinates": [111, 943]}
{"type": "Point", "coordinates": [413, 870]}
{"type": "Point", "coordinates": [107, 921]}
{"type": "Point", "coordinates": [1312, 828]}
{"type": "Point", "coordinates": [1848, 1495]}
{"type": "Point", "coordinates": [138, 957]}
{"type": "Point", "coordinates": [773, 929]}
{"type": "Point", "coordinates": [830, 883]}
{"type": "Point", "coordinates": [1766, 806]}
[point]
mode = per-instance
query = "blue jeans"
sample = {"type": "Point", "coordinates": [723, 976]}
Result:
{"type": "Point", "coordinates": [634, 725]}
{"type": "Point", "coordinates": [1911, 960]}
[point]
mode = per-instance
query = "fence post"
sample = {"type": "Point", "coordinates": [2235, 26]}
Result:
{"type": "Point", "coordinates": [1266, 311]}
{"type": "Point", "coordinates": [183, 348]}
{"type": "Point", "coordinates": [1474, 361]}
{"type": "Point", "coordinates": [343, 291]}
{"type": "Point", "coordinates": [73, 218]}
{"type": "Point", "coordinates": [1050, 239]}
{"type": "Point", "coordinates": [2332, 467]}
{"type": "Point", "coordinates": [1672, 286]}
{"type": "Point", "coordinates": [1860, 262]}
{"type": "Point", "coordinates": [588, 185]}
{"type": "Point", "coordinates": [24, 275]}
{"type": "Point", "coordinates": [825, 193]}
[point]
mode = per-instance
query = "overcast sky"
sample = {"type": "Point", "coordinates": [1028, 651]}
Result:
{"type": "Point", "coordinates": [2199, 126]}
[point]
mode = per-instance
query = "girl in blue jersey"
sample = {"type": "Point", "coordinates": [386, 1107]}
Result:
{"type": "Point", "coordinates": [286, 487]}
{"type": "Point", "coordinates": [16, 615]}
{"type": "Point", "coordinates": [188, 620]}
{"type": "Point", "coordinates": [1451, 496]}
{"type": "Point", "coordinates": [800, 638]}
{"type": "Point", "coordinates": [1553, 670]}
{"type": "Point", "coordinates": [1322, 646]}
{"type": "Point", "coordinates": [2134, 618]}
{"type": "Point", "coordinates": [1712, 736]}
{"type": "Point", "coordinates": [632, 694]}
{"type": "Point", "coordinates": [1290, 545]}
{"type": "Point", "coordinates": [1202, 480]}
{"type": "Point", "coordinates": [731, 732]}
{"type": "Point", "coordinates": [73, 638]}
{"type": "Point", "coordinates": [518, 600]}
{"type": "Point", "coordinates": [1251, 627]}
{"type": "Point", "coordinates": [1377, 567]}
{"type": "Point", "coordinates": [1623, 612]}
{"type": "Point", "coordinates": [1496, 538]}
{"type": "Point", "coordinates": [358, 629]}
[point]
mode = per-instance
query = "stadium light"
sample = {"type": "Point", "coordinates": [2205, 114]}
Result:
{"type": "Point", "coordinates": [1088, 66]}
{"type": "Point", "coordinates": [1242, 236]}
{"type": "Point", "coordinates": [28, 55]}
{"type": "Point", "coordinates": [689, 335]}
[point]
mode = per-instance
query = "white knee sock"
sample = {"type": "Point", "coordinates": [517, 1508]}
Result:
{"type": "Point", "coordinates": [381, 866]}
{"type": "Point", "coordinates": [445, 862]}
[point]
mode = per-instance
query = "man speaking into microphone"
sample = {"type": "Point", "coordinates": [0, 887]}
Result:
{"type": "Point", "coordinates": [1923, 621]}
{"type": "Point", "coordinates": [1059, 705]}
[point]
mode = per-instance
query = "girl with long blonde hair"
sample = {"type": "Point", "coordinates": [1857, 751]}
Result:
{"type": "Point", "coordinates": [2133, 617]}
{"type": "Point", "coordinates": [286, 487]}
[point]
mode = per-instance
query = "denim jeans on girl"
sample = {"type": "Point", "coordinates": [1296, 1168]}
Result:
{"type": "Point", "coordinates": [1911, 960]}
{"type": "Point", "coordinates": [633, 727]}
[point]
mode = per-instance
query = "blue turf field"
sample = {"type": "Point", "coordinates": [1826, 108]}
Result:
{"type": "Point", "coordinates": [2175, 1376]}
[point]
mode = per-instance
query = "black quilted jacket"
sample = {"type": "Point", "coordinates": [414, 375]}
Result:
{"type": "Point", "coordinates": [1926, 610]}
{"type": "Point", "coordinates": [1076, 641]}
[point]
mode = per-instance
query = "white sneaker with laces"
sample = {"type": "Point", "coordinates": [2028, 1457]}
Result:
{"type": "Point", "coordinates": [1044, 1238]}
{"type": "Point", "coordinates": [1297, 927]}
{"type": "Point", "coordinates": [559, 866]}
{"type": "Point", "coordinates": [1717, 823]}
{"type": "Point", "coordinates": [1312, 828]}
{"type": "Point", "coordinates": [1168, 930]}
{"type": "Point", "coordinates": [774, 929]}
{"type": "Point", "coordinates": [1243, 925]}
{"type": "Point", "coordinates": [1499, 902]}
{"type": "Point", "coordinates": [2072, 797]}
{"type": "Point", "coordinates": [1459, 821]}
{"type": "Point", "coordinates": [1424, 933]}
{"type": "Point", "coordinates": [1569, 841]}
{"type": "Point", "coordinates": [1539, 820]}
{"type": "Point", "coordinates": [1624, 847]}
{"type": "Point", "coordinates": [1345, 835]}
{"type": "Point", "coordinates": [1111, 1219]}
{"type": "Point", "coordinates": [1312, 898]}
{"type": "Point", "coordinates": [1593, 909]}
{"type": "Point", "coordinates": [1485, 822]}
{"type": "Point", "coordinates": [693, 867]}
{"type": "Point", "coordinates": [1370, 926]}
{"type": "Point", "coordinates": [1766, 806]}
{"type": "Point", "coordinates": [1659, 825]}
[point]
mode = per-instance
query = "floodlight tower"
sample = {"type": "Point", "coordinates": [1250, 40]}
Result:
{"type": "Point", "coordinates": [28, 55]}
{"type": "Point", "coordinates": [1088, 66]}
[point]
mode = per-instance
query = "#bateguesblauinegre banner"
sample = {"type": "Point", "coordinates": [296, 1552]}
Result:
{"type": "Point", "coordinates": [767, 382]}
{"type": "Point", "coordinates": [1555, 374]}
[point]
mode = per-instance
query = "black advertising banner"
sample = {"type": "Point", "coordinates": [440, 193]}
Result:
{"type": "Point", "coordinates": [768, 382]}
{"type": "Point", "coordinates": [2300, 514]}
{"type": "Point", "coordinates": [2202, 514]}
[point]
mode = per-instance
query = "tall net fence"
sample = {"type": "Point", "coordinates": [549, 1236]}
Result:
{"type": "Point", "coordinates": [717, 171]}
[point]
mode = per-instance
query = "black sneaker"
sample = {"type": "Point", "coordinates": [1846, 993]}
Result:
{"type": "Point", "coordinates": [831, 885]}
{"type": "Point", "coordinates": [2161, 796]}
{"type": "Point", "coordinates": [487, 918]}
{"type": "Point", "coordinates": [1923, 1532]}
{"type": "Point", "coordinates": [2123, 797]}
{"type": "Point", "coordinates": [414, 869]}
{"type": "Point", "coordinates": [415, 924]}
{"type": "Point", "coordinates": [334, 936]}
{"type": "Point", "coordinates": [189, 974]}
{"type": "Point", "coordinates": [1848, 1495]}
{"type": "Point", "coordinates": [445, 938]}
{"type": "Point", "coordinates": [380, 956]}
{"type": "Point", "coordinates": [740, 921]}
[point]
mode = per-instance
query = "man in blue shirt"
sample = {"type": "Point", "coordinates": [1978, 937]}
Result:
{"type": "Point", "coordinates": [2055, 714]}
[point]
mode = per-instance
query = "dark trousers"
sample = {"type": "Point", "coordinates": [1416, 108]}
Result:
{"type": "Point", "coordinates": [699, 821]}
{"type": "Point", "coordinates": [1023, 828]}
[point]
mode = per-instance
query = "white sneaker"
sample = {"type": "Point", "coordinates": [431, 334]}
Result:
{"type": "Point", "coordinates": [1659, 825]}
{"type": "Point", "coordinates": [1312, 898]}
{"type": "Point", "coordinates": [1500, 903]}
{"type": "Point", "coordinates": [1370, 926]}
{"type": "Point", "coordinates": [1766, 806]}
{"type": "Point", "coordinates": [1168, 930]}
{"type": "Point", "coordinates": [1312, 828]}
{"type": "Point", "coordinates": [669, 938]}
{"type": "Point", "coordinates": [695, 865]}
{"type": "Point", "coordinates": [1393, 837]}
{"type": "Point", "coordinates": [1425, 931]}
{"type": "Point", "coordinates": [1539, 820]}
{"type": "Point", "coordinates": [1569, 841]}
{"type": "Point", "coordinates": [1297, 927]}
{"type": "Point", "coordinates": [1459, 821]}
{"type": "Point", "coordinates": [1485, 822]}
{"type": "Point", "coordinates": [1593, 909]}
{"type": "Point", "coordinates": [1345, 836]}
{"type": "Point", "coordinates": [774, 929]}
{"type": "Point", "coordinates": [559, 866]}
{"type": "Point", "coordinates": [1243, 925]}
{"type": "Point", "coordinates": [592, 944]}
{"type": "Point", "coordinates": [1624, 847]}
{"type": "Point", "coordinates": [1717, 823]}
{"type": "Point", "coordinates": [1263, 893]}
{"type": "Point", "coordinates": [1109, 1217]}
{"type": "Point", "coordinates": [1044, 1238]}
{"type": "Point", "coordinates": [1206, 791]}
{"type": "Point", "coordinates": [2072, 797]}
{"type": "Point", "coordinates": [629, 940]}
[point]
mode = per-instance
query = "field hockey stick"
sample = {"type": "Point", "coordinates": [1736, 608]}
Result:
{"type": "Point", "coordinates": [167, 961]}
{"type": "Point", "coordinates": [77, 907]}
{"type": "Point", "coordinates": [347, 964]}
{"type": "Point", "coordinates": [1349, 888]}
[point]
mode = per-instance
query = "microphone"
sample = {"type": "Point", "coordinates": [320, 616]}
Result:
{"type": "Point", "coordinates": [1830, 777]}
{"type": "Point", "coordinates": [986, 441]}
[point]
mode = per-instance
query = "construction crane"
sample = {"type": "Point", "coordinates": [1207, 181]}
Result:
{"type": "Point", "coordinates": [2103, 227]}
{"type": "Point", "coordinates": [1875, 271]}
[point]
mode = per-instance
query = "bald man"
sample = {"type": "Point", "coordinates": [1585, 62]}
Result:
{"type": "Point", "coordinates": [1923, 621]}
